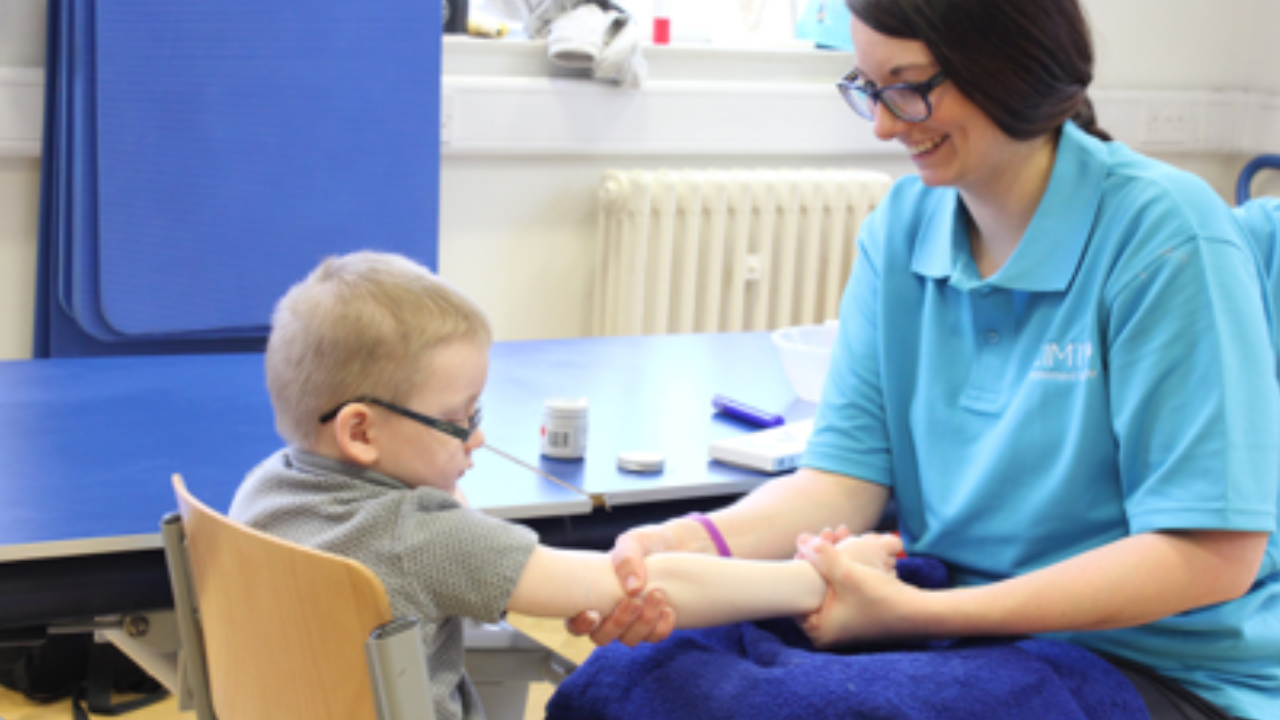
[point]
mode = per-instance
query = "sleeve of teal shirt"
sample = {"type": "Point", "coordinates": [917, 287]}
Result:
{"type": "Point", "coordinates": [1195, 401]}
{"type": "Point", "coordinates": [850, 435]}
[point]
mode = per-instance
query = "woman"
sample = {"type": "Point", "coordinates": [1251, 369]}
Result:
{"type": "Point", "coordinates": [1054, 355]}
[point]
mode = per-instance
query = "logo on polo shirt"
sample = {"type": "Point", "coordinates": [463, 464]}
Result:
{"type": "Point", "coordinates": [1069, 362]}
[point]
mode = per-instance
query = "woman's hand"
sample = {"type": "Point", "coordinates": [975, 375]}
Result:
{"type": "Point", "coordinates": [865, 601]}
{"type": "Point", "coordinates": [639, 617]}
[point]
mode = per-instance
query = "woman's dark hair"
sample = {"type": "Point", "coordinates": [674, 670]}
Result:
{"type": "Point", "coordinates": [1027, 64]}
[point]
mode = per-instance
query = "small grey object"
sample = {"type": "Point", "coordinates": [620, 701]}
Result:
{"type": "Point", "coordinates": [639, 461]}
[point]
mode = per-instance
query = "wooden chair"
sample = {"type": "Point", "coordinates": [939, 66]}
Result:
{"type": "Point", "coordinates": [272, 630]}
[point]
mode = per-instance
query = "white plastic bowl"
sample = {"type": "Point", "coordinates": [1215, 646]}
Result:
{"type": "Point", "coordinates": [806, 352]}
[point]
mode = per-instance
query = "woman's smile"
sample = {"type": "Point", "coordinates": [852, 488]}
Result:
{"type": "Point", "coordinates": [925, 149]}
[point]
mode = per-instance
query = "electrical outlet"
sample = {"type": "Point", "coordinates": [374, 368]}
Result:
{"type": "Point", "coordinates": [1169, 125]}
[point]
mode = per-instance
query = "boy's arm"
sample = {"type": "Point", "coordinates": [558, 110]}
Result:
{"type": "Point", "coordinates": [705, 590]}
{"type": "Point", "coordinates": [557, 583]}
{"type": "Point", "coordinates": [702, 590]}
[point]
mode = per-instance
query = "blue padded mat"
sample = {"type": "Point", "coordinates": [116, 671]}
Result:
{"type": "Point", "coordinates": [239, 142]}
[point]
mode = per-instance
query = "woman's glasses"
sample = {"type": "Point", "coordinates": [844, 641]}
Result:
{"type": "Point", "coordinates": [907, 101]}
{"type": "Point", "coordinates": [462, 433]}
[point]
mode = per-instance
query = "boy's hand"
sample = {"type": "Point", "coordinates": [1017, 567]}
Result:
{"type": "Point", "coordinates": [835, 537]}
{"type": "Point", "coordinates": [878, 551]}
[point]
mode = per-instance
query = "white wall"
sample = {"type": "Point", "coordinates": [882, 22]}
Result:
{"type": "Point", "coordinates": [1264, 43]}
{"type": "Point", "coordinates": [517, 228]}
{"type": "Point", "coordinates": [22, 45]}
{"type": "Point", "coordinates": [1174, 44]}
{"type": "Point", "coordinates": [22, 33]}
{"type": "Point", "coordinates": [1171, 44]}
{"type": "Point", "coordinates": [19, 199]}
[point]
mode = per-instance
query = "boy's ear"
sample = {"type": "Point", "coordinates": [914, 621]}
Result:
{"type": "Point", "coordinates": [354, 432]}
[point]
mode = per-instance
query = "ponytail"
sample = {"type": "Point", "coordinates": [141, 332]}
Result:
{"type": "Point", "coordinates": [1087, 120]}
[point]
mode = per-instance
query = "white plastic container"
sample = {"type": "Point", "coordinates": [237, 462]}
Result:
{"type": "Point", "coordinates": [564, 428]}
{"type": "Point", "coordinates": [805, 351]}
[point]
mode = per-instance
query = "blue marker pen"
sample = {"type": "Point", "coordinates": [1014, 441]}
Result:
{"type": "Point", "coordinates": [746, 413]}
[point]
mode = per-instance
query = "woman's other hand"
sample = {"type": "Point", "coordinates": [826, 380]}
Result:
{"type": "Point", "coordinates": [865, 600]}
{"type": "Point", "coordinates": [640, 616]}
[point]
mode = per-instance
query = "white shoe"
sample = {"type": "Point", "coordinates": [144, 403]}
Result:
{"type": "Point", "coordinates": [577, 37]}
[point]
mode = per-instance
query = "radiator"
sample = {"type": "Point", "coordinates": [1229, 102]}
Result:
{"type": "Point", "coordinates": [683, 251]}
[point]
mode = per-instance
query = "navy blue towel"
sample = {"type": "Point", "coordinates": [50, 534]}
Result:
{"type": "Point", "coordinates": [771, 670]}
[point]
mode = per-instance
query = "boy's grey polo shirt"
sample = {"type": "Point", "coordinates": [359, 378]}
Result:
{"type": "Point", "coordinates": [440, 562]}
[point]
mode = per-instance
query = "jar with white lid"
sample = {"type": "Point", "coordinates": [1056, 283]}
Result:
{"type": "Point", "coordinates": [564, 428]}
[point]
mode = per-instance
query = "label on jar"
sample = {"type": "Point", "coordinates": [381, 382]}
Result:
{"type": "Point", "coordinates": [564, 429]}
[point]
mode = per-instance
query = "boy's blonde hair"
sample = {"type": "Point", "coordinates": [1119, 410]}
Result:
{"type": "Point", "coordinates": [359, 324]}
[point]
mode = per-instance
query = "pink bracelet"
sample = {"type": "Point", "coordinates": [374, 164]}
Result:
{"type": "Point", "coordinates": [722, 547]}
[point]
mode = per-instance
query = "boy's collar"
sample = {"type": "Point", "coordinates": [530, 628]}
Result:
{"type": "Point", "coordinates": [313, 462]}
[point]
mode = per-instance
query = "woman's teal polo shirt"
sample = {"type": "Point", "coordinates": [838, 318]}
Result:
{"type": "Point", "coordinates": [1116, 376]}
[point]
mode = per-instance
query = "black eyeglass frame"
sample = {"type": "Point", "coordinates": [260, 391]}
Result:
{"type": "Point", "coordinates": [462, 433]}
{"type": "Point", "coordinates": [849, 85]}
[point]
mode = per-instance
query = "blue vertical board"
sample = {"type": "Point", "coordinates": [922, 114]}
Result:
{"type": "Point", "coordinates": [239, 142]}
{"type": "Point", "coordinates": [202, 156]}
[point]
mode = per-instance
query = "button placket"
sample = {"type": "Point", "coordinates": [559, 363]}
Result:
{"type": "Point", "coordinates": [992, 321]}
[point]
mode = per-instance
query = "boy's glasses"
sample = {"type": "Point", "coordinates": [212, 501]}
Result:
{"type": "Point", "coordinates": [598, 500]}
{"type": "Point", "coordinates": [462, 433]}
{"type": "Point", "coordinates": [908, 102]}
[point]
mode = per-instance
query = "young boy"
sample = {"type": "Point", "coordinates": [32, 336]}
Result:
{"type": "Point", "coordinates": [375, 368]}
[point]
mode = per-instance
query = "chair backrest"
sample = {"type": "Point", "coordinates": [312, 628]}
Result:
{"type": "Point", "coordinates": [284, 625]}
{"type": "Point", "coordinates": [1244, 181]}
